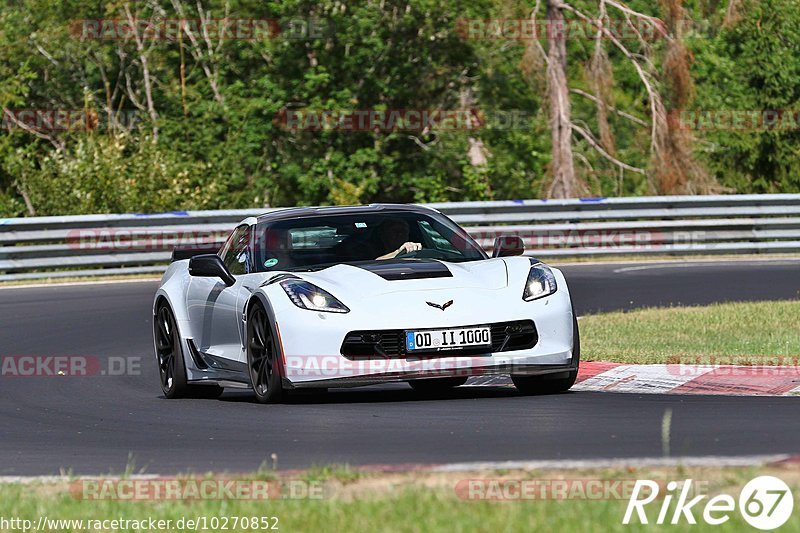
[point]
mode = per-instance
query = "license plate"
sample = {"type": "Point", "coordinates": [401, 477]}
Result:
{"type": "Point", "coordinates": [448, 339]}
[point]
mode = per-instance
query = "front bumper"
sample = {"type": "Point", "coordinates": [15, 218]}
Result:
{"type": "Point", "coordinates": [312, 342]}
{"type": "Point", "coordinates": [388, 377]}
{"type": "Point", "coordinates": [312, 348]}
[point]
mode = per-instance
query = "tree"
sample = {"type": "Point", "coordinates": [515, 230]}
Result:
{"type": "Point", "coordinates": [747, 74]}
{"type": "Point", "coordinates": [675, 171]}
{"type": "Point", "coordinates": [564, 184]}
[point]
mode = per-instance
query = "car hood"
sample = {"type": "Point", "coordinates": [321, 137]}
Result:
{"type": "Point", "coordinates": [383, 277]}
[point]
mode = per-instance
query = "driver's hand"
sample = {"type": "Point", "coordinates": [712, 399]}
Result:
{"type": "Point", "coordinates": [408, 247]}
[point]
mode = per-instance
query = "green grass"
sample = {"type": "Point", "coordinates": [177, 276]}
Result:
{"type": "Point", "coordinates": [410, 501]}
{"type": "Point", "coordinates": [742, 333]}
{"type": "Point", "coordinates": [342, 473]}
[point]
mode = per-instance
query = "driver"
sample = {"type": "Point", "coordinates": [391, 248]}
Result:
{"type": "Point", "coordinates": [394, 236]}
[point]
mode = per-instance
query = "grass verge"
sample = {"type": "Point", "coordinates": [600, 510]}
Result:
{"type": "Point", "coordinates": [735, 333]}
{"type": "Point", "coordinates": [413, 501]}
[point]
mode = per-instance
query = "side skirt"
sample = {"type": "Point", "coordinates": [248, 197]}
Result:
{"type": "Point", "coordinates": [216, 370]}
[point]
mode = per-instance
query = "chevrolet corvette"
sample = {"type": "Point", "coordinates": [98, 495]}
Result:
{"type": "Point", "coordinates": [322, 297]}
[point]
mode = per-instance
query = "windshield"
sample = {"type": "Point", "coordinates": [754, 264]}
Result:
{"type": "Point", "coordinates": [322, 241]}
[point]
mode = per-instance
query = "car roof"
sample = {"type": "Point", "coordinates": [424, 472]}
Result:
{"type": "Point", "coordinates": [302, 212]}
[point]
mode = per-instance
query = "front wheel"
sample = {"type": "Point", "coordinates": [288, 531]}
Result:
{"type": "Point", "coordinates": [262, 357]}
{"type": "Point", "coordinates": [556, 383]}
{"type": "Point", "coordinates": [544, 385]}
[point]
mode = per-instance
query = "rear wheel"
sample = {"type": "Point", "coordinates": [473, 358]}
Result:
{"type": "Point", "coordinates": [262, 357]}
{"type": "Point", "coordinates": [555, 383]}
{"type": "Point", "coordinates": [169, 356]}
{"type": "Point", "coordinates": [437, 384]}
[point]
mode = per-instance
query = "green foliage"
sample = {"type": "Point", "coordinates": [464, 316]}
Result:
{"type": "Point", "coordinates": [750, 67]}
{"type": "Point", "coordinates": [113, 174]}
{"type": "Point", "coordinates": [218, 139]}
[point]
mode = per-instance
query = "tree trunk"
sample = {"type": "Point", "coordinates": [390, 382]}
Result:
{"type": "Point", "coordinates": [564, 183]}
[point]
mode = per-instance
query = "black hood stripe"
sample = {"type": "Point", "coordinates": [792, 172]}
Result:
{"type": "Point", "coordinates": [407, 269]}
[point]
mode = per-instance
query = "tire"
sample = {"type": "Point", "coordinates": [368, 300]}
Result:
{"type": "Point", "coordinates": [263, 365]}
{"type": "Point", "coordinates": [557, 383]}
{"type": "Point", "coordinates": [437, 384]}
{"type": "Point", "coordinates": [169, 357]}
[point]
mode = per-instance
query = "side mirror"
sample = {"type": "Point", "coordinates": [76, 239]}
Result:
{"type": "Point", "coordinates": [506, 245]}
{"type": "Point", "coordinates": [187, 252]}
{"type": "Point", "coordinates": [210, 266]}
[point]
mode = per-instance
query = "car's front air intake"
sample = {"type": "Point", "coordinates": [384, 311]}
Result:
{"type": "Point", "coordinates": [389, 343]}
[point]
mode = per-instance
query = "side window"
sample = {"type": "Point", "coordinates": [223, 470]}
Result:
{"type": "Point", "coordinates": [232, 238]}
{"type": "Point", "coordinates": [438, 240]}
{"type": "Point", "coordinates": [236, 253]}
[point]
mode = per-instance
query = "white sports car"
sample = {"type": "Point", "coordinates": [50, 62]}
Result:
{"type": "Point", "coordinates": [347, 296]}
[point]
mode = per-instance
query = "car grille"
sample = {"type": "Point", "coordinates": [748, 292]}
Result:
{"type": "Point", "coordinates": [390, 343]}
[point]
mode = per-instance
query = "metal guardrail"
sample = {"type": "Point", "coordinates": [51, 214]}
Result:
{"type": "Point", "coordinates": [40, 247]}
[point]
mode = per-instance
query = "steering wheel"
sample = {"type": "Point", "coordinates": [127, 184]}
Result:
{"type": "Point", "coordinates": [421, 254]}
{"type": "Point", "coordinates": [406, 255]}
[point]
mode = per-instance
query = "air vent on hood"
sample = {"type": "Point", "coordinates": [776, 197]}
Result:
{"type": "Point", "coordinates": [407, 269]}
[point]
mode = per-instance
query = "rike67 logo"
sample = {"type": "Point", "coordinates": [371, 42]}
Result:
{"type": "Point", "coordinates": [765, 503]}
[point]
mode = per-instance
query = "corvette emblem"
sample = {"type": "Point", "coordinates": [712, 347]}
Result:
{"type": "Point", "coordinates": [442, 307]}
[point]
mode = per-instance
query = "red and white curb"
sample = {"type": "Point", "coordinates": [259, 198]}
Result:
{"type": "Point", "coordinates": [713, 461]}
{"type": "Point", "coordinates": [689, 379]}
{"type": "Point", "coordinates": [601, 376]}
{"type": "Point", "coordinates": [705, 461]}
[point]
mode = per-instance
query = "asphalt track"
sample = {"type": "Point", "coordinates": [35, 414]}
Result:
{"type": "Point", "coordinates": [101, 424]}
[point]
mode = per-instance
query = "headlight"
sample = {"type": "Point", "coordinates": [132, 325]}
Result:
{"type": "Point", "coordinates": [308, 296]}
{"type": "Point", "coordinates": [541, 283]}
